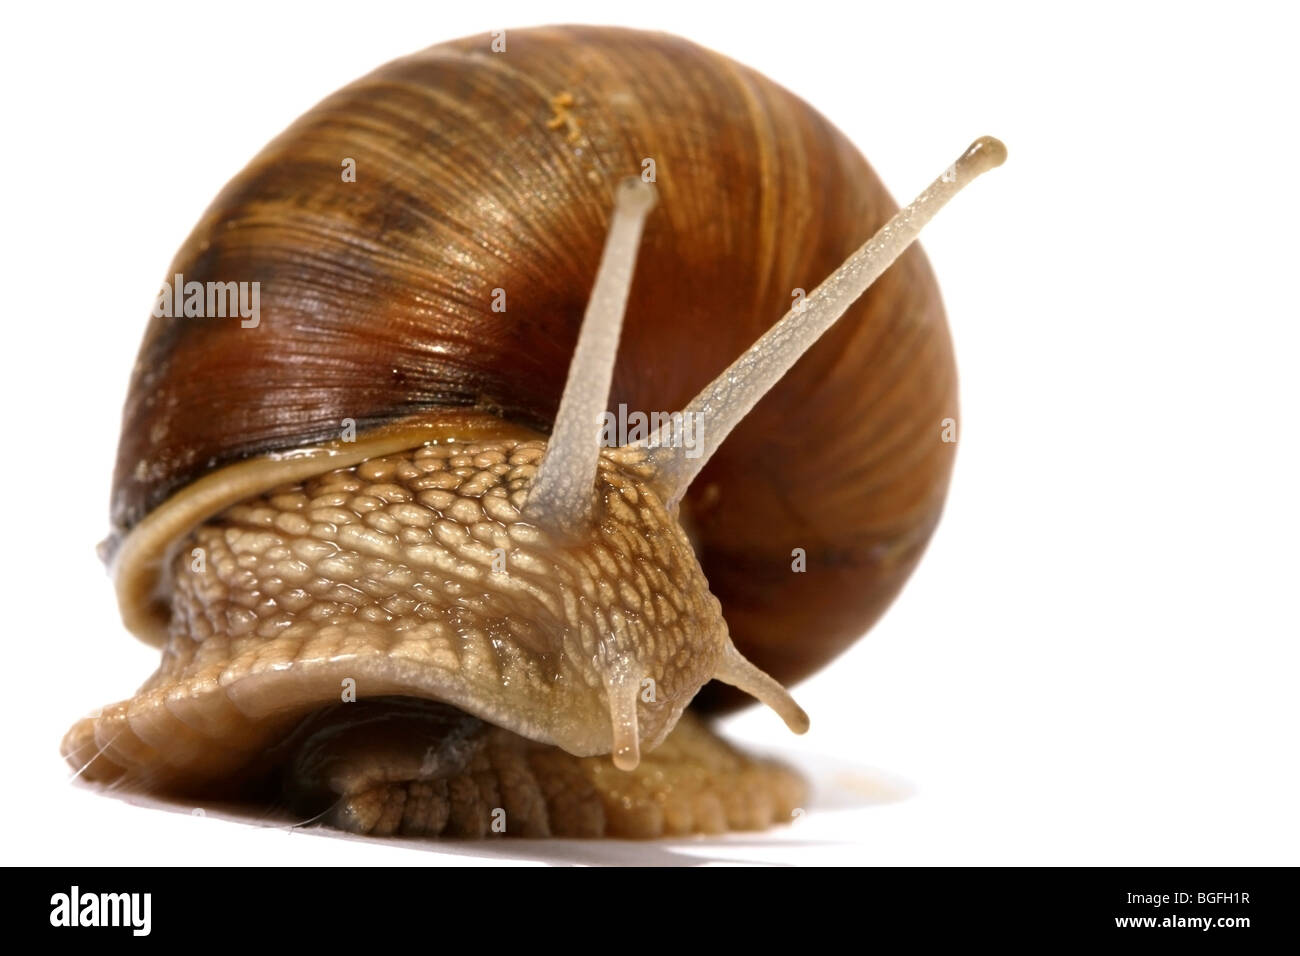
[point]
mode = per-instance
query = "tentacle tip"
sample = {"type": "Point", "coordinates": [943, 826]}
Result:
{"type": "Point", "coordinates": [627, 758]}
{"type": "Point", "coordinates": [735, 670]}
{"type": "Point", "coordinates": [635, 195]}
{"type": "Point", "coordinates": [797, 720]}
{"type": "Point", "coordinates": [987, 152]}
{"type": "Point", "coordinates": [624, 726]}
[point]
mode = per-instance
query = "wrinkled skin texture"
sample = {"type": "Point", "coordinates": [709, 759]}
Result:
{"type": "Point", "coordinates": [410, 768]}
{"type": "Point", "coordinates": [416, 574]}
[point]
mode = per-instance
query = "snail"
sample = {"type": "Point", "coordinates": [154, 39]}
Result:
{"type": "Point", "coordinates": [408, 571]}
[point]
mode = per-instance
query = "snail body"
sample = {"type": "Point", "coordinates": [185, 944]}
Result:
{"type": "Point", "coordinates": [396, 577]}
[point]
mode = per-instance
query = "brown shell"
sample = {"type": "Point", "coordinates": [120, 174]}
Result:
{"type": "Point", "coordinates": [479, 170]}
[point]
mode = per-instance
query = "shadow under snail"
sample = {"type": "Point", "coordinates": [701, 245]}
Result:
{"type": "Point", "coordinates": [402, 578]}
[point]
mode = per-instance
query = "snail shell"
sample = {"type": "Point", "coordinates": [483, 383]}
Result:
{"type": "Point", "coordinates": [481, 173]}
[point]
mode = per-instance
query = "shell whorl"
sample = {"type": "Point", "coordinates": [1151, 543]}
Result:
{"type": "Point", "coordinates": [377, 304]}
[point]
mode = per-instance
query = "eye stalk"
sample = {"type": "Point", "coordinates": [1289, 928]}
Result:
{"type": "Point", "coordinates": [562, 495]}
{"type": "Point", "coordinates": [729, 397]}
{"type": "Point", "coordinates": [561, 498]}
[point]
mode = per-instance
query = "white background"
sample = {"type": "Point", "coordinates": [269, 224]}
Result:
{"type": "Point", "coordinates": [1096, 662]}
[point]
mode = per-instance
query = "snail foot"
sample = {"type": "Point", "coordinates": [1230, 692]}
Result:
{"type": "Point", "coordinates": [406, 767]}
